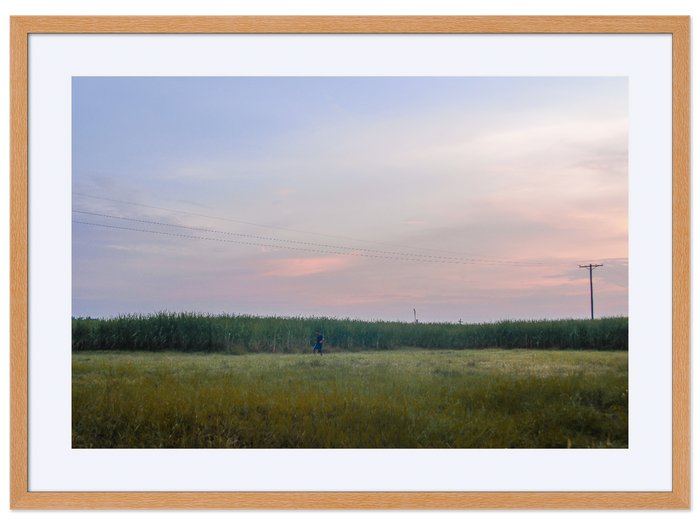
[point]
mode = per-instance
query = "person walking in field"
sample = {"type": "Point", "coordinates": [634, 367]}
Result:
{"type": "Point", "coordinates": [319, 343]}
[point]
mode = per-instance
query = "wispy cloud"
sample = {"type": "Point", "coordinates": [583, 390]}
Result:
{"type": "Point", "coordinates": [302, 266]}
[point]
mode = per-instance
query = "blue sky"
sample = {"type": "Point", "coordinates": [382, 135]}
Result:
{"type": "Point", "coordinates": [516, 180]}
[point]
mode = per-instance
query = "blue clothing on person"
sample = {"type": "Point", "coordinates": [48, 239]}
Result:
{"type": "Point", "coordinates": [319, 343]}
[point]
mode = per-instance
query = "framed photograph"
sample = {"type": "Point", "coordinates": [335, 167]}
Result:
{"type": "Point", "coordinates": [358, 154]}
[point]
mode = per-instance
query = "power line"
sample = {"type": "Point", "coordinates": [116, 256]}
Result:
{"type": "Point", "coordinates": [612, 281]}
{"type": "Point", "coordinates": [251, 223]}
{"type": "Point", "coordinates": [609, 278]}
{"type": "Point", "coordinates": [272, 246]}
{"type": "Point", "coordinates": [618, 273]}
{"type": "Point", "coordinates": [277, 227]}
{"type": "Point", "coordinates": [491, 262]}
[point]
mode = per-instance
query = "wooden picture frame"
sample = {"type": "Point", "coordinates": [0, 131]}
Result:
{"type": "Point", "coordinates": [678, 498]}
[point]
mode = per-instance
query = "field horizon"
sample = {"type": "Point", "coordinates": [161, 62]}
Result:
{"type": "Point", "coordinates": [236, 334]}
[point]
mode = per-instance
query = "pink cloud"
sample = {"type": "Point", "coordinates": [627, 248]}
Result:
{"type": "Point", "coordinates": [301, 267]}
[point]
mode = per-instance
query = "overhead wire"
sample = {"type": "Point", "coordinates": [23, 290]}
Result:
{"type": "Point", "coordinates": [273, 246]}
{"type": "Point", "coordinates": [612, 281]}
{"type": "Point", "coordinates": [281, 228]}
{"type": "Point", "coordinates": [484, 261]}
{"type": "Point", "coordinates": [411, 256]}
{"type": "Point", "coordinates": [618, 273]}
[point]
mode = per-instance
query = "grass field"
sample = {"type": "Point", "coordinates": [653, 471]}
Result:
{"type": "Point", "coordinates": [403, 398]}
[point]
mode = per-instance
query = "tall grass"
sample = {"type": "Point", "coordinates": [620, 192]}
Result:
{"type": "Point", "coordinates": [238, 334]}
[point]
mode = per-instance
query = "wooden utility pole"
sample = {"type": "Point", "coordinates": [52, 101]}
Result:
{"type": "Point", "coordinates": [590, 269]}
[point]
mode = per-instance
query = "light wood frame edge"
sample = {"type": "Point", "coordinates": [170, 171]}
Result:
{"type": "Point", "coordinates": [20, 25]}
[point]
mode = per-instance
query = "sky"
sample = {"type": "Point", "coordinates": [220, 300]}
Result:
{"type": "Point", "coordinates": [465, 198]}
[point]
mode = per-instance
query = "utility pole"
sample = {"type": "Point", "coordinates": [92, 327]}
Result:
{"type": "Point", "coordinates": [590, 269]}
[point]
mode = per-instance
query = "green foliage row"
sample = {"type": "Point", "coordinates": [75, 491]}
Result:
{"type": "Point", "coordinates": [239, 334]}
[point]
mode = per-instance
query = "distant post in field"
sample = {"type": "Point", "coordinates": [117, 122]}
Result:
{"type": "Point", "coordinates": [590, 269]}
